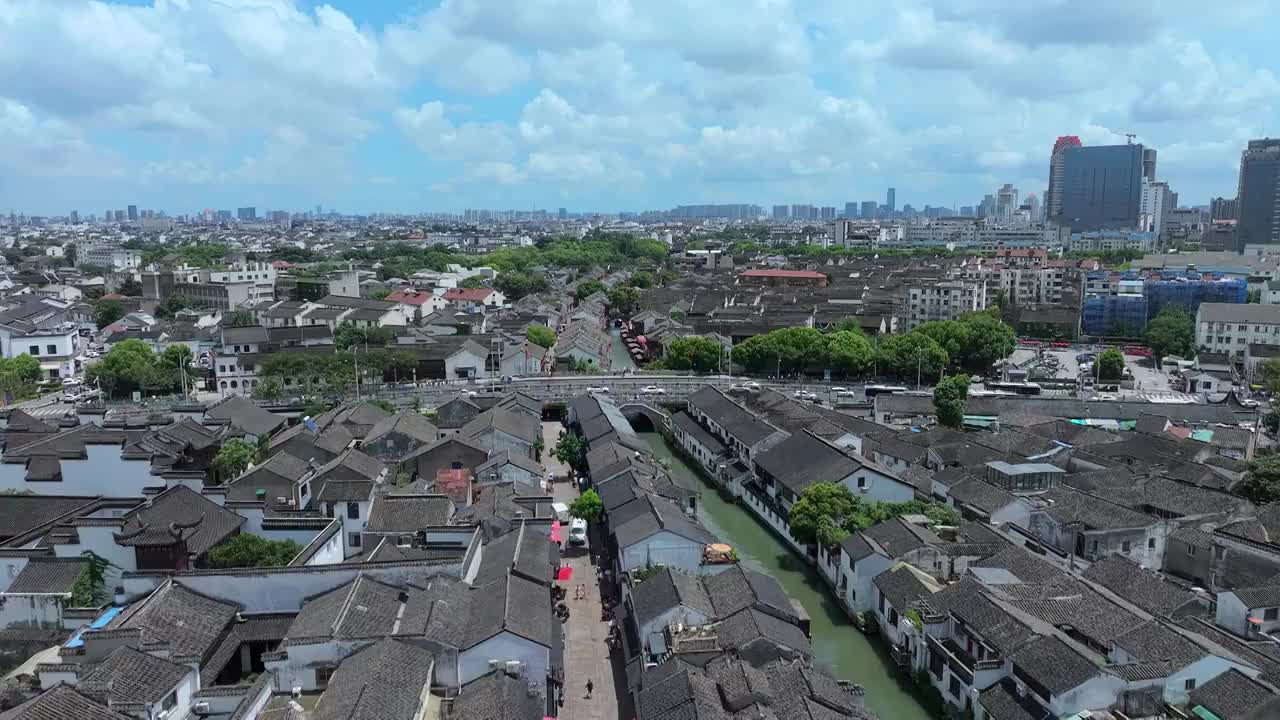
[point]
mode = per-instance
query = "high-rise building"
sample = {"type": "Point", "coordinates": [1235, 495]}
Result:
{"type": "Point", "coordinates": [891, 200]}
{"type": "Point", "coordinates": [1102, 187]}
{"type": "Point", "coordinates": [1154, 204]}
{"type": "Point", "coordinates": [561, 214]}
{"type": "Point", "coordinates": [106, 216]}
{"type": "Point", "coordinates": [247, 213]}
{"type": "Point", "coordinates": [987, 208]}
{"type": "Point", "coordinates": [868, 210]}
{"type": "Point", "coordinates": [1222, 208]}
{"type": "Point", "coordinates": [1006, 202]}
{"type": "Point", "coordinates": [828, 213]}
{"type": "Point", "coordinates": [1258, 199]}
{"type": "Point", "coordinates": [781, 212]}
{"type": "Point", "coordinates": [133, 213]}
{"type": "Point", "coordinates": [1033, 205]}
{"type": "Point", "coordinates": [851, 209]}
{"type": "Point", "coordinates": [75, 217]}
{"type": "Point", "coordinates": [966, 211]}
{"type": "Point", "coordinates": [1149, 163]}
{"type": "Point", "coordinates": [1053, 197]}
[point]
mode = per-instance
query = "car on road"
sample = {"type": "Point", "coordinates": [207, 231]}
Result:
{"type": "Point", "coordinates": [70, 396]}
{"type": "Point", "coordinates": [751, 385]}
{"type": "Point", "coordinates": [837, 389]}
{"type": "Point", "coordinates": [577, 531]}
{"type": "Point", "coordinates": [736, 388]}
{"type": "Point", "coordinates": [652, 390]}
{"type": "Point", "coordinates": [806, 395]}
{"type": "Point", "coordinates": [598, 389]}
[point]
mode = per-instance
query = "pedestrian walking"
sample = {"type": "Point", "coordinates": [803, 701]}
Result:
{"type": "Point", "coordinates": [590, 686]}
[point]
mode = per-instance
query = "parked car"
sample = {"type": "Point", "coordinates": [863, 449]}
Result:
{"type": "Point", "coordinates": [751, 385]}
{"type": "Point", "coordinates": [652, 390]}
{"type": "Point", "coordinates": [598, 389]}
{"type": "Point", "coordinates": [70, 396]}
{"type": "Point", "coordinates": [577, 531]}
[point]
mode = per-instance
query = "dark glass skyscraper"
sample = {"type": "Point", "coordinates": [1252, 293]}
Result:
{"type": "Point", "coordinates": [1258, 201]}
{"type": "Point", "coordinates": [1102, 186]}
{"type": "Point", "coordinates": [1053, 196]}
{"type": "Point", "coordinates": [891, 200]}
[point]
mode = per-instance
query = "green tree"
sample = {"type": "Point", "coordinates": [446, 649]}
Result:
{"type": "Point", "coordinates": [540, 335]}
{"type": "Point", "coordinates": [951, 335]}
{"type": "Point", "coordinates": [379, 294]}
{"type": "Point", "coordinates": [269, 389]}
{"type": "Point", "coordinates": [89, 588]}
{"type": "Point", "coordinates": [21, 370]}
{"type": "Point", "coordinates": [515, 285]}
{"type": "Point", "coordinates": [849, 352]}
{"type": "Point", "coordinates": [250, 551]}
{"type": "Point", "coordinates": [912, 355]}
{"type": "Point", "coordinates": [1271, 422]}
{"type": "Point", "coordinates": [1261, 482]}
{"type": "Point", "coordinates": [177, 355]}
{"type": "Point", "coordinates": [130, 288]}
{"type": "Point", "coordinates": [949, 397]}
{"type": "Point", "coordinates": [1172, 332]}
{"type": "Point", "coordinates": [170, 308]}
{"type": "Point", "coordinates": [571, 450]}
{"type": "Point", "coordinates": [587, 288]}
{"type": "Point", "coordinates": [131, 365]}
{"type": "Point", "coordinates": [238, 318]}
{"type": "Point", "coordinates": [588, 506]}
{"type": "Point", "coordinates": [234, 457]}
{"type": "Point", "coordinates": [624, 299]}
{"type": "Point", "coordinates": [1110, 365]}
{"type": "Point", "coordinates": [989, 340]}
{"type": "Point", "coordinates": [349, 334]}
{"type": "Point", "coordinates": [107, 312]}
{"type": "Point", "coordinates": [849, 324]}
{"type": "Point", "coordinates": [700, 354]}
{"type": "Point", "coordinates": [790, 350]}
{"type": "Point", "coordinates": [818, 516]}
{"type": "Point", "coordinates": [642, 279]}
{"type": "Point", "coordinates": [1270, 374]}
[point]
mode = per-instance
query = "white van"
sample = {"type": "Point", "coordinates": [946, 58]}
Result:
{"type": "Point", "coordinates": [561, 511]}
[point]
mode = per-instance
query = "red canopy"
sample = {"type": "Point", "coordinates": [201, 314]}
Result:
{"type": "Point", "coordinates": [555, 532]}
{"type": "Point", "coordinates": [564, 573]}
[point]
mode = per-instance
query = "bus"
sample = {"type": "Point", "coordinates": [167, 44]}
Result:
{"type": "Point", "coordinates": [1017, 388]}
{"type": "Point", "coordinates": [874, 390]}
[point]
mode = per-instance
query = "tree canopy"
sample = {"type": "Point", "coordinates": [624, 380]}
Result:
{"type": "Point", "coordinates": [587, 288]}
{"type": "Point", "coordinates": [251, 551]}
{"type": "Point", "coordinates": [700, 354]}
{"type": "Point", "coordinates": [912, 355]}
{"type": "Point", "coordinates": [588, 506]}
{"type": "Point", "coordinates": [975, 341]}
{"type": "Point", "coordinates": [349, 334]}
{"type": "Point", "coordinates": [1110, 364]}
{"type": "Point", "coordinates": [540, 335]}
{"type": "Point", "coordinates": [571, 450]}
{"type": "Point", "coordinates": [624, 299]}
{"type": "Point", "coordinates": [849, 352]}
{"type": "Point", "coordinates": [234, 457]}
{"type": "Point", "coordinates": [132, 365]}
{"type": "Point", "coordinates": [949, 397]}
{"type": "Point", "coordinates": [515, 285]}
{"type": "Point", "coordinates": [793, 349]}
{"type": "Point", "coordinates": [1261, 482]}
{"type": "Point", "coordinates": [106, 312]}
{"type": "Point", "coordinates": [19, 371]}
{"type": "Point", "coordinates": [1172, 332]}
{"type": "Point", "coordinates": [826, 513]}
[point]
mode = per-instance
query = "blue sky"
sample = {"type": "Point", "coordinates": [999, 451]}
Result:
{"type": "Point", "coordinates": [610, 105]}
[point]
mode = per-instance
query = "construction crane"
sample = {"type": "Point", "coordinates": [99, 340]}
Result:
{"type": "Point", "coordinates": [1129, 135]}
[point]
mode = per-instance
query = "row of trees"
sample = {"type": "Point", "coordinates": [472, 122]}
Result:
{"type": "Point", "coordinates": [132, 365]}
{"type": "Point", "coordinates": [827, 513]}
{"type": "Point", "coordinates": [334, 372]}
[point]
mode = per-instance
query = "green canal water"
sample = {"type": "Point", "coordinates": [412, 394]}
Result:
{"type": "Point", "coordinates": [838, 646]}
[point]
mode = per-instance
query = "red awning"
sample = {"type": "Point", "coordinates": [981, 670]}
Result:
{"type": "Point", "coordinates": [564, 573]}
{"type": "Point", "coordinates": [555, 532]}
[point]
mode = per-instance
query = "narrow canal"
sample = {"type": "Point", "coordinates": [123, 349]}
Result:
{"type": "Point", "coordinates": [837, 645]}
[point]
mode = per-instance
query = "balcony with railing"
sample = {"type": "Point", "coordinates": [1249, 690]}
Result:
{"type": "Point", "coordinates": [962, 664]}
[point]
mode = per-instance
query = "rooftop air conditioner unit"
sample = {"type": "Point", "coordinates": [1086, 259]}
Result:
{"type": "Point", "coordinates": [200, 708]}
{"type": "Point", "coordinates": [296, 691]}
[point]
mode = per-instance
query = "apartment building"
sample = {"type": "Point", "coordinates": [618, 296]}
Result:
{"type": "Point", "coordinates": [946, 300]}
{"type": "Point", "coordinates": [110, 256]}
{"type": "Point", "coordinates": [260, 279]}
{"type": "Point", "coordinates": [1231, 327]}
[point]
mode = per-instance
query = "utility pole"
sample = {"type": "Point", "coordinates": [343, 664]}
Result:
{"type": "Point", "coordinates": [919, 359]}
{"type": "Point", "coordinates": [355, 359]}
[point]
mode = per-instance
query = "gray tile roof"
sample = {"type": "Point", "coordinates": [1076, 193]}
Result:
{"type": "Point", "coordinates": [385, 681]}
{"type": "Point", "coordinates": [1093, 512]}
{"type": "Point", "coordinates": [738, 588]}
{"type": "Point", "coordinates": [980, 494]}
{"type": "Point", "coordinates": [407, 422]}
{"type": "Point", "coordinates": [186, 623]}
{"type": "Point", "coordinates": [513, 604]}
{"type": "Point", "coordinates": [408, 513]}
{"type": "Point", "coordinates": [747, 626]}
{"type": "Point", "coordinates": [498, 696]}
{"type": "Point", "coordinates": [243, 414]}
{"type": "Point", "coordinates": [1232, 695]}
{"type": "Point", "coordinates": [669, 589]}
{"type": "Point", "coordinates": [739, 422]}
{"type": "Point", "coordinates": [128, 676]}
{"type": "Point", "coordinates": [901, 588]}
{"type": "Point", "coordinates": [179, 511]}
{"type": "Point", "coordinates": [517, 424]}
{"type": "Point", "coordinates": [1155, 642]}
{"type": "Point", "coordinates": [1264, 596]}
{"type": "Point", "coordinates": [61, 702]}
{"type": "Point", "coordinates": [803, 459]}
{"type": "Point", "coordinates": [528, 552]}
{"type": "Point", "coordinates": [967, 601]}
{"type": "Point", "coordinates": [362, 608]}
{"type": "Point", "coordinates": [1001, 702]}
{"type": "Point", "coordinates": [1053, 664]}
{"type": "Point", "coordinates": [1138, 585]}
{"type": "Point", "coordinates": [48, 575]}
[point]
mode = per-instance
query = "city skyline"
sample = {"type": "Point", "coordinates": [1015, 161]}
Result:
{"type": "Point", "coordinates": [458, 105]}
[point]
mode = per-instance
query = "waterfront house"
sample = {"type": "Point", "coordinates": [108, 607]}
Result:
{"type": "Point", "coordinates": [651, 531]}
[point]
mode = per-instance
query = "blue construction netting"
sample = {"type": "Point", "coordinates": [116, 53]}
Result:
{"type": "Point", "coordinates": [1188, 291]}
{"type": "Point", "coordinates": [1101, 314]}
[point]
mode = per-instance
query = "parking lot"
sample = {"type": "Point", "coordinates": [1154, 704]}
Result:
{"type": "Point", "coordinates": [1061, 363]}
